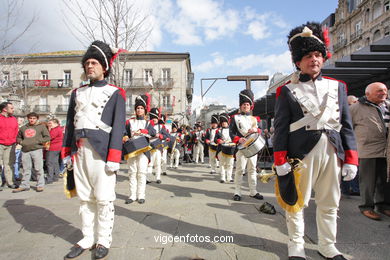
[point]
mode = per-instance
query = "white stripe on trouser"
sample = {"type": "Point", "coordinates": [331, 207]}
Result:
{"type": "Point", "coordinates": [164, 160]}
{"type": "Point", "coordinates": [176, 157]}
{"type": "Point", "coordinates": [138, 167]}
{"type": "Point", "coordinates": [155, 161]}
{"type": "Point", "coordinates": [249, 164]}
{"type": "Point", "coordinates": [226, 167]}
{"type": "Point", "coordinates": [322, 174]}
{"type": "Point", "coordinates": [213, 160]}
{"type": "Point", "coordinates": [95, 187]}
{"type": "Point", "coordinates": [198, 152]}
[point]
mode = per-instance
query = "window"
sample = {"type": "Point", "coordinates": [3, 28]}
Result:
{"type": "Point", "coordinates": [43, 101]}
{"type": "Point", "coordinates": [148, 75]}
{"type": "Point", "coordinates": [129, 101]}
{"type": "Point", "coordinates": [44, 75]}
{"type": "Point", "coordinates": [65, 100]}
{"type": "Point", "coordinates": [166, 101]}
{"type": "Point", "coordinates": [128, 76]}
{"type": "Point", "coordinates": [358, 26]}
{"type": "Point", "coordinates": [387, 31]}
{"type": "Point", "coordinates": [67, 77]}
{"type": "Point", "coordinates": [377, 10]}
{"type": "Point", "coordinates": [377, 36]}
{"type": "Point", "coordinates": [387, 6]}
{"type": "Point", "coordinates": [24, 75]}
{"type": "Point", "coordinates": [166, 74]}
{"type": "Point", "coordinates": [6, 76]}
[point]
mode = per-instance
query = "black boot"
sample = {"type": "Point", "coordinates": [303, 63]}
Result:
{"type": "Point", "coordinates": [75, 251]}
{"type": "Point", "coordinates": [101, 252]}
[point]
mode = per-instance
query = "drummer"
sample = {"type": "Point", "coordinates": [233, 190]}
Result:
{"type": "Point", "coordinates": [174, 149]}
{"type": "Point", "coordinates": [209, 140]}
{"type": "Point", "coordinates": [164, 156]}
{"type": "Point", "coordinates": [242, 125]}
{"type": "Point", "coordinates": [156, 143]}
{"type": "Point", "coordinates": [225, 157]}
{"type": "Point", "coordinates": [138, 166]}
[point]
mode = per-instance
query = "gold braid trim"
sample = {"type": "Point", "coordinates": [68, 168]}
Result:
{"type": "Point", "coordinates": [68, 193]}
{"type": "Point", "coordinates": [297, 179]}
{"type": "Point", "coordinates": [138, 152]}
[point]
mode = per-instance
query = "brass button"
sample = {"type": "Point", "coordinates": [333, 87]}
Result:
{"type": "Point", "coordinates": [102, 106]}
{"type": "Point", "coordinates": [97, 127]}
{"type": "Point", "coordinates": [307, 126]}
{"type": "Point", "coordinates": [305, 112]}
{"type": "Point", "coordinates": [337, 110]}
{"type": "Point", "coordinates": [99, 113]}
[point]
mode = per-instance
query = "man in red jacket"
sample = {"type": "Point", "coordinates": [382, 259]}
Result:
{"type": "Point", "coordinates": [8, 131]}
{"type": "Point", "coordinates": [53, 154]}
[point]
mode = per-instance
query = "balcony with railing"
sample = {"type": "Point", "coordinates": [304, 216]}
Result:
{"type": "Point", "coordinates": [49, 83]}
{"type": "Point", "coordinates": [167, 109]}
{"type": "Point", "coordinates": [137, 83]}
{"type": "Point", "coordinates": [42, 108]}
{"type": "Point", "coordinates": [164, 83]}
{"type": "Point", "coordinates": [356, 34]}
{"type": "Point", "coordinates": [62, 109]}
{"type": "Point", "coordinates": [340, 44]}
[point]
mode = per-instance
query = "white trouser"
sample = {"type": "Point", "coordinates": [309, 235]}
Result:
{"type": "Point", "coordinates": [155, 161]}
{"type": "Point", "coordinates": [138, 167]}
{"type": "Point", "coordinates": [96, 190]}
{"type": "Point", "coordinates": [164, 158]}
{"type": "Point", "coordinates": [198, 152]}
{"type": "Point", "coordinates": [213, 160]}
{"type": "Point", "coordinates": [249, 164]}
{"type": "Point", "coordinates": [176, 157]}
{"type": "Point", "coordinates": [322, 174]}
{"type": "Point", "coordinates": [226, 167]}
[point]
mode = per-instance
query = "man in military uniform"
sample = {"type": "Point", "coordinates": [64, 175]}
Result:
{"type": "Point", "coordinates": [93, 141]}
{"type": "Point", "coordinates": [209, 139]}
{"type": "Point", "coordinates": [313, 124]}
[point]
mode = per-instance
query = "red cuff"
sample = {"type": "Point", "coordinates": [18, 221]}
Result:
{"type": "Point", "coordinates": [280, 157]}
{"type": "Point", "coordinates": [236, 138]}
{"type": "Point", "coordinates": [219, 141]}
{"type": "Point", "coordinates": [114, 155]}
{"type": "Point", "coordinates": [144, 131]}
{"type": "Point", "coordinates": [259, 130]}
{"type": "Point", "coordinates": [351, 157]}
{"type": "Point", "coordinates": [65, 151]}
{"type": "Point", "coordinates": [160, 136]}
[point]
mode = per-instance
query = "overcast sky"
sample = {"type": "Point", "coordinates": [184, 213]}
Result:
{"type": "Point", "coordinates": [231, 37]}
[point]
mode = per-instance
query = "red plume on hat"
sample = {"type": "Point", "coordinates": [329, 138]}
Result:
{"type": "Point", "coordinates": [325, 34]}
{"type": "Point", "coordinates": [116, 53]}
{"type": "Point", "coordinates": [148, 102]}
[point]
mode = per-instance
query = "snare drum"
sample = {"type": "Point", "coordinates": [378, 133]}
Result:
{"type": "Point", "coordinates": [134, 147]}
{"type": "Point", "coordinates": [254, 143]}
{"type": "Point", "coordinates": [228, 149]}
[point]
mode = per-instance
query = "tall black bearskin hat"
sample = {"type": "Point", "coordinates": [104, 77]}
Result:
{"type": "Point", "coordinates": [215, 119]}
{"type": "Point", "coordinates": [224, 117]}
{"type": "Point", "coordinates": [143, 100]}
{"type": "Point", "coordinates": [307, 38]}
{"type": "Point", "coordinates": [246, 95]}
{"type": "Point", "coordinates": [154, 113]}
{"type": "Point", "coordinates": [175, 124]}
{"type": "Point", "coordinates": [102, 52]}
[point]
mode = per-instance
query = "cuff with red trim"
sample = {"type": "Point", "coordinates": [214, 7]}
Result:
{"type": "Point", "coordinates": [351, 157]}
{"type": "Point", "coordinates": [280, 157]}
{"type": "Point", "coordinates": [144, 131]}
{"type": "Point", "coordinates": [114, 155]}
{"type": "Point", "coordinates": [236, 139]}
{"type": "Point", "coordinates": [65, 151]}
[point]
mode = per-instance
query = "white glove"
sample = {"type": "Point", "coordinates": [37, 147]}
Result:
{"type": "Point", "coordinates": [67, 160]}
{"type": "Point", "coordinates": [112, 166]}
{"type": "Point", "coordinates": [349, 172]}
{"type": "Point", "coordinates": [283, 169]}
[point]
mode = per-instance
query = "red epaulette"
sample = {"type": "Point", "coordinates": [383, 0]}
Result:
{"type": "Point", "coordinates": [343, 82]}
{"type": "Point", "coordinates": [279, 89]}
{"type": "Point", "coordinates": [121, 90]}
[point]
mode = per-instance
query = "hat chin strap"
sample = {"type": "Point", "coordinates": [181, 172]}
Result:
{"type": "Point", "coordinates": [306, 32]}
{"type": "Point", "coordinates": [105, 58]}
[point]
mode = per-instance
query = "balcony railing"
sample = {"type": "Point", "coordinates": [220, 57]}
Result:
{"type": "Point", "coordinates": [62, 109]}
{"type": "Point", "coordinates": [42, 108]}
{"type": "Point", "coordinates": [164, 83]}
{"type": "Point", "coordinates": [339, 45]}
{"type": "Point", "coordinates": [356, 34]}
{"type": "Point", "coordinates": [167, 109]}
{"type": "Point", "coordinates": [50, 83]}
{"type": "Point", "coordinates": [138, 83]}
